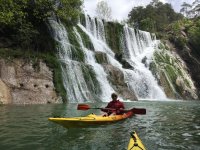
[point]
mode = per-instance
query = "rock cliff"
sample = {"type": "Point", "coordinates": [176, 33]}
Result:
{"type": "Point", "coordinates": [24, 82]}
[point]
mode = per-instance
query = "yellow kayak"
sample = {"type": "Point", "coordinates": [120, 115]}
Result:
{"type": "Point", "coordinates": [135, 143]}
{"type": "Point", "coordinates": [90, 120]}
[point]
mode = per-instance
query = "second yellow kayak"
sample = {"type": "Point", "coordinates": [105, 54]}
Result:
{"type": "Point", "coordinates": [90, 120]}
{"type": "Point", "coordinates": [135, 143]}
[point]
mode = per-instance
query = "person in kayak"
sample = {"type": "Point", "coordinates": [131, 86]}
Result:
{"type": "Point", "coordinates": [115, 106]}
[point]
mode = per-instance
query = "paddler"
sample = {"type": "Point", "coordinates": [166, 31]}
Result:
{"type": "Point", "coordinates": [115, 106]}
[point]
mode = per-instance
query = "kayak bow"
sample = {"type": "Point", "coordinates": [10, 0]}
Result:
{"type": "Point", "coordinates": [135, 143]}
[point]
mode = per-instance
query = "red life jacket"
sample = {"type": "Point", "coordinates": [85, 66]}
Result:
{"type": "Point", "coordinates": [115, 104]}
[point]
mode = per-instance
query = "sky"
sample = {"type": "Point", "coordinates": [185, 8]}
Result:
{"type": "Point", "coordinates": [121, 8]}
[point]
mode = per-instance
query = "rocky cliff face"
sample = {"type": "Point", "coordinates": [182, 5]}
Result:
{"type": "Point", "coordinates": [184, 40]}
{"type": "Point", "coordinates": [193, 65]}
{"type": "Point", "coordinates": [173, 74]}
{"type": "Point", "coordinates": [23, 82]}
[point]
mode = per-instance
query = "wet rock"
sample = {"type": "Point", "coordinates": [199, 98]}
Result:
{"type": "Point", "coordinates": [116, 77]}
{"type": "Point", "coordinates": [125, 63]}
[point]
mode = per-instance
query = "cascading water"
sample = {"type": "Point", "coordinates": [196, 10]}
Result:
{"type": "Point", "coordinates": [96, 34]}
{"type": "Point", "coordinates": [138, 47]}
{"type": "Point", "coordinates": [74, 82]}
{"type": "Point", "coordinates": [98, 69]}
{"type": "Point", "coordinates": [96, 29]}
{"type": "Point", "coordinates": [73, 78]}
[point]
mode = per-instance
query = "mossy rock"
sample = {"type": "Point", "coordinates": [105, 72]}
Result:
{"type": "Point", "coordinates": [168, 88]}
{"type": "Point", "coordinates": [76, 51]}
{"type": "Point", "coordinates": [86, 39]}
{"type": "Point", "coordinates": [92, 82]}
{"type": "Point", "coordinates": [101, 58]}
{"type": "Point", "coordinates": [82, 19]}
{"type": "Point", "coordinates": [114, 32]}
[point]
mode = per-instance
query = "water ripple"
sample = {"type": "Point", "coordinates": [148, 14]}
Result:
{"type": "Point", "coordinates": [166, 126]}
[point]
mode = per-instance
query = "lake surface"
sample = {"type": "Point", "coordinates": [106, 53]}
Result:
{"type": "Point", "coordinates": [169, 125]}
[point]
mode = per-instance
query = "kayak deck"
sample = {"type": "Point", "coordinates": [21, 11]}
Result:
{"type": "Point", "coordinates": [87, 121]}
{"type": "Point", "coordinates": [135, 143]}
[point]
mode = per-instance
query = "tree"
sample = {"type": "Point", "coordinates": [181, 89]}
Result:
{"type": "Point", "coordinates": [154, 2]}
{"type": "Point", "coordinates": [194, 36]}
{"type": "Point", "coordinates": [196, 2]}
{"type": "Point", "coordinates": [186, 8]}
{"type": "Point", "coordinates": [148, 24]}
{"type": "Point", "coordinates": [191, 11]}
{"type": "Point", "coordinates": [69, 10]}
{"type": "Point", "coordinates": [196, 8]}
{"type": "Point", "coordinates": [23, 21]}
{"type": "Point", "coordinates": [11, 12]}
{"type": "Point", "coordinates": [103, 11]}
{"type": "Point", "coordinates": [154, 17]}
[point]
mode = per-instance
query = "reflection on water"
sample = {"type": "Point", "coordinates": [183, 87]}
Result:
{"type": "Point", "coordinates": [166, 126]}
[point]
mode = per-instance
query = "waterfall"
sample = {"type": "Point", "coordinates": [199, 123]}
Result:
{"type": "Point", "coordinates": [99, 71]}
{"type": "Point", "coordinates": [137, 45]}
{"type": "Point", "coordinates": [73, 78]}
{"type": "Point", "coordinates": [96, 29]}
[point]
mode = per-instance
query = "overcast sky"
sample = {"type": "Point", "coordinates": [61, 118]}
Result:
{"type": "Point", "coordinates": [121, 8]}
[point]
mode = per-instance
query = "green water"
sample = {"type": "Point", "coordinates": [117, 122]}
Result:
{"type": "Point", "coordinates": [166, 126]}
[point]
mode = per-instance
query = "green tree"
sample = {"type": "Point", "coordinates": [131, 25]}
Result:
{"type": "Point", "coordinates": [66, 10]}
{"type": "Point", "coordinates": [11, 12]}
{"type": "Point", "coordinates": [69, 10]}
{"type": "Point", "coordinates": [194, 36]}
{"type": "Point", "coordinates": [147, 24]}
{"type": "Point", "coordinates": [136, 15]}
{"type": "Point", "coordinates": [22, 22]}
{"type": "Point", "coordinates": [155, 17]}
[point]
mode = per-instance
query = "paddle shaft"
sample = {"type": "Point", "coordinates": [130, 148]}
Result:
{"type": "Point", "coordinates": [141, 111]}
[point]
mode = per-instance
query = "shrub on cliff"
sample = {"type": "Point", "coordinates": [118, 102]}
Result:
{"type": "Point", "coordinates": [185, 32]}
{"type": "Point", "coordinates": [194, 36]}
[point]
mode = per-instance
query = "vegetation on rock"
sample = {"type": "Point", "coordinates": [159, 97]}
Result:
{"type": "Point", "coordinates": [113, 36]}
{"type": "Point", "coordinates": [92, 82]}
{"type": "Point", "coordinates": [172, 75]}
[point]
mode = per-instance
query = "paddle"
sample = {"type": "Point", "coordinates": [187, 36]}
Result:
{"type": "Point", "coordinates": [141, 111]}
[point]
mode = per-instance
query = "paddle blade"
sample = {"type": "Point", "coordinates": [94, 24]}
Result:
{"type": "Point", "coordinates": [83, 107]}
{"type": "Point", "coordinates": [141, 111]}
